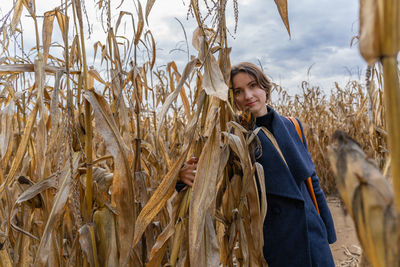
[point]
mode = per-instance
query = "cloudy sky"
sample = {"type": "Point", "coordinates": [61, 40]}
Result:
{"type": "Point", "coordinates": [318, 51]}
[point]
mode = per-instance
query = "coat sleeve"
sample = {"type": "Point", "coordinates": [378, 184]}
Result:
{"type": "Point", "coordinates": [179, 186]}
{"type": "Point", "coordinates": [324, 211]}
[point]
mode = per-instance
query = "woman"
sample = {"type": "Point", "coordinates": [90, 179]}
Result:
{"type": "Point", "coordinates": [295, 234]}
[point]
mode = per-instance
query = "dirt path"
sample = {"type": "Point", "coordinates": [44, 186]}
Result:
{"type": "Point", "coordinates": [346, 250]}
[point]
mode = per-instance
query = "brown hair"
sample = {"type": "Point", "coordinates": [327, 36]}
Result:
{"type": "Point", "coordinates": [255, 72]}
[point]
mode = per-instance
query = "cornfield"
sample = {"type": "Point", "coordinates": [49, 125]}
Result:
{"type": "Point", "coordinates": [90, 157]}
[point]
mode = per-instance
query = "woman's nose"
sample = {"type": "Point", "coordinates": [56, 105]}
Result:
{"type": "Point", "coordinates": [247, 94]}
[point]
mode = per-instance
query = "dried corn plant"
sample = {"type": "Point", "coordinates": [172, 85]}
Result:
{"type": "Point", "coordinates": [90, 154]}
{"type": "Point", "coordinates": [90, 157]}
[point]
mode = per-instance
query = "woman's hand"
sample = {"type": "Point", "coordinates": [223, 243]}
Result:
{"type": "Point", "coordinates": [188, 171]}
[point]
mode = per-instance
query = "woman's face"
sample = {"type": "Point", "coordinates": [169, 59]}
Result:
{"type": "Point", "coordinates": [248, 94]}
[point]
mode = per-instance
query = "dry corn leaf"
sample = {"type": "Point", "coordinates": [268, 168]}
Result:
{"type": "Point", "coordinates": [17, 15]}
{"type": "Point", "coordinates": [254, 226]}
{"type": "Point", "coordinates": [203, 196]}
{"type": "Point", "coordinates": [153, 47]}
{"type": "Point", "coordinates": [166, 187]}
{"type": "Point", "coordinates": [5, 259]}
{"type": "Point", "coordinates": [261, 182]}
{"type": "Point", "coordinates": [157, 255]}
{"type": "Point", "coordinates": [121, 15]}
{"type": "Point", "coordinates": [16, 68]}
{"type": "Point", "coordinates": [248, 194]}
{"type": "Point", "coordinates": [213, 81]}
{"type": "Point", "coordinates": [122, 195]}
{"type": "Point", "coordinates": [29, 6]}
{"type": "Point", "coordinates": [41, 134]}
{"type": "Point", "coordinates": [209, 245]}
{"type": "Point", "coordinates": [23, 241]}
{"type": "Point", "coordinates": [38, 188]}
{"type": "Point", "coordinates": [6, 126]}
{"type": "Point", "coordinates": [186, 72]}
{"type": "Point", "coordinates": [158, 199]}
{"type": "Point", "coordinates": [185, 103]}
{"type": "Point", "coordinates": [160, 247]}
{"type": "Point", "coordinates": [163, 153]}
{"type": "Point", "coordinates": [54, 111]}
{"type": "Point", "coordinates": [78, 11]}
{"type": "Point", "coordinates": [140, 25]}
{"type": "Point", "coordinates": [230, 200]}
{"type": "Point", "coordinates": [180, 225]}
{"type": "Point", "coordinates": [149, 5]}
{"type": "Point", "coordinates": [283, 12]}
{"type": "Point", "coordinates": [197, 40]}
{"type": "Point", "coordinates": [255, 254]}
{"type": "Point", "coordinates": [235, 145]}
{"type": "Point", "coordinates": [47, 31]}
{"type": "Point", "coordinates": [87, 241]}
{"type": "Point", "coordinates": [23, 237]}
{"type": "Point", "coordinates": [96, 75]}
{"type": "Point", "coordinates": [120, 106]}
{"type": "Point", "coordinates": [21, 150]}
{"type": "Point", "coordinates": [62, 23]}
{"type": "Point", "coordinates": [244, 244]}
{"type": "Point", "coordinates": [182, 92]}
{"type": "Point", "coordinates": [74, 52]}
{"type": "Point", "coordinates": [44, 249]}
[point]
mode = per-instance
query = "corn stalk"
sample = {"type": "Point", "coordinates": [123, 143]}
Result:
{"type": "Point", "coordinates": [389, 38]}
{"type": "Point", "coordinates": [365, 192]}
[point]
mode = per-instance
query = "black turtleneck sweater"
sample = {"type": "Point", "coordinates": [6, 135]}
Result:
{"type": "Point", "coordinates": [266, 121]}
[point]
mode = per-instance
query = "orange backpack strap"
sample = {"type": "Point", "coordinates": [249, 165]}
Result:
{"type": "Point", "coordinates": [308, 181]}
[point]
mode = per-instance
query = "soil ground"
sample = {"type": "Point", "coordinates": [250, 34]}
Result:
{"type": "Point", "coordinates": [346, 250]}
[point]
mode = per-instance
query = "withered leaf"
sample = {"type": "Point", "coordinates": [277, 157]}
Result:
{"type": "Point", "coordinates": [122, 195]}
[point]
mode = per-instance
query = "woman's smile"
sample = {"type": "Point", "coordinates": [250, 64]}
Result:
{"type": "Point", "coordinates": [252, 103]}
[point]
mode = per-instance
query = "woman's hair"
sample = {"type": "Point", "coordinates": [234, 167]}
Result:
{"type": "Point", "coordinates": [255, 72]}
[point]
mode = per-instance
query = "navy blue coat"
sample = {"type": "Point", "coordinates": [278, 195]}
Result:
{"type": "Point", "coordinates": [294, 233]}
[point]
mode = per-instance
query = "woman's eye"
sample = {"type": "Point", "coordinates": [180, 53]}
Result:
{"type": "Point", "coordinates": [253, 85]}
{"type": "Point", "coordinates": [237, 92]}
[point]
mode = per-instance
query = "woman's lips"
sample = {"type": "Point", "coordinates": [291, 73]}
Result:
{"type": "Point", "coordinates": [251, 104]}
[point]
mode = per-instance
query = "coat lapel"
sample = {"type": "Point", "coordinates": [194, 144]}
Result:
{"type": "Point", "coordinates": [293, 149]}
{"type": "Point", "coordinates": [281, 180]}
